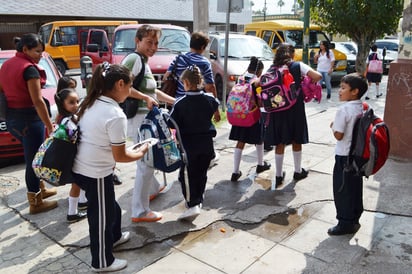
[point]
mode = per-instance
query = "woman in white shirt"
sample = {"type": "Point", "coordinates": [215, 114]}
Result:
{"type": "Point", "coordinates": [325, 60]}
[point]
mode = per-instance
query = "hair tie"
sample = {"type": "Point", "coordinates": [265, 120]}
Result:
{"type": "Point", "coordinates": [106, 67]}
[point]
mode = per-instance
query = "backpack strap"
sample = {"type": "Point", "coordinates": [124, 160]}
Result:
{"type": "Point", "coordinates": [139, 77]}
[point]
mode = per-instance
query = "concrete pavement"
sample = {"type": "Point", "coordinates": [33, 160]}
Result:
{"type": "Point", "coordinates": [244, 227]}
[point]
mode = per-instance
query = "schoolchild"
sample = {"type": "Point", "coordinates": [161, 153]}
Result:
{"type": "Point", "coordinates": [146, 185]}
{"type": "Point", "coordinates": [347, 186]}
{"type": "Point", "coordinates": [67, 102]}
{"type": "Point", "coordinates": [249, 135]}
{"type": "Point", "coordinates": [373, 77]}
{"type": "Point", "coordinates": [290, 126]}
{"type": "Point", "coordinates": [193, 114]}
{"type": "Point", "coordinates": [103, 127]}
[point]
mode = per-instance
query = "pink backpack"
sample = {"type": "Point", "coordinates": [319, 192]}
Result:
{"type": "Point", "coordinates": [242, 109]}
{"type": "Point", "coordinates": [311, 90]}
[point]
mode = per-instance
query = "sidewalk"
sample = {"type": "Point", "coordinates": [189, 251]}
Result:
{"type": "Point", "coordinates": [244, 227]}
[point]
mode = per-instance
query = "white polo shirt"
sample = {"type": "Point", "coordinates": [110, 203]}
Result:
{"type": "Point", "coordinates": [344, 122]}
{"type": "Point", "coordinates": [102, 126]}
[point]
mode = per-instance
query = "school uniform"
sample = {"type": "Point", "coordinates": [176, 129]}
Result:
{"type": "Point", "coordinates": [102, 126]}
{"type": "Point", "coordinates": [347, 186]}
{"type": "Point", "coordinates": [193, 114]}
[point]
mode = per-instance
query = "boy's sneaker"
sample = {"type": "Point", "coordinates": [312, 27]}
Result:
{"type": "Point", "coordinates": [124, 238]}
{"type": "Point", "coordinates": [82, 206]}
{"type": "Point", "coordinates": [261, 168]}
{"type": "Point", "coordinates": [116, 265]}
{"type": "Point", "coordinates": [299, 176]}
{"type": "Point", "coordinates": [76, 217]}
{"type": "Point", "coordinates": [236, 176]}
{"type": "Point", "coordinates": [152, 216]}
{"type": "Point", "coordinates": [190, 213]}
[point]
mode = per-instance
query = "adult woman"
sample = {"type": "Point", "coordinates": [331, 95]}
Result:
{"type": "Point", "coordinates": [325, 60]}
{"type": "Point", "coordinates": [146, 184]}
{"type": "Point", "coordinates": [290, 126]}
{"type": "Point", "coordinates": [372, 76]}
{"type": "Point", "coordinates": [21, 81]}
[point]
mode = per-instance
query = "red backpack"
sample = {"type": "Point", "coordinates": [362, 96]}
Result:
{"type": "Point", "coordinates": [370, 144]}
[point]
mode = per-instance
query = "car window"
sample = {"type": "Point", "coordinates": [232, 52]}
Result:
{"type": "Point", "coordinates": [51, 78]}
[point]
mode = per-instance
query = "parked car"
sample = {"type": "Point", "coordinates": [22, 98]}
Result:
{"type": "Point", "coordinates": [392, 47]}
{"type": "Point", "coordinates": [350, 55]}
{"type": "Point", "coordinates": [9, 145]}
{"type": "Point", "coordinates": [241, 48]}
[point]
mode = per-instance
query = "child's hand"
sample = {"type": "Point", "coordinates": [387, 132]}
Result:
{"type": "Point", "coordinates": [216, 116]}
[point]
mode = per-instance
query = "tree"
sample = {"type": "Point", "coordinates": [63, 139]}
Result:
{"type": "Point", "coordinates": [363, 21]}
{"type": "Point", "coordinates": [281, 4]}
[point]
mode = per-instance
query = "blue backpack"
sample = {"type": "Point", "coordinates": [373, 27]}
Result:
{"type": "Point", "coordinates": [165, 155]}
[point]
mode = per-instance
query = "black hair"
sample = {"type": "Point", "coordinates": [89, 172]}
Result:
{"type": "Point", "coordinates": [327, 47]}
{"type": "Point", "coordinates": [284, 54]}
{"type": "Point", "coordinates": [29, 40]}
{"type": "Point", "coordinates": [147, 30]}
{"type": "Point", "coordinates": [255, 65]}
{"type": "Point", "coordinates": [59, 98]}
{"type": "Point", "coordinates": [192, 75]}
{"type": "Point", "coordinates": [103, 80]}
{"type": "Point", "coordinates": [198, 41]}
{"type": "Point", "coordinates": [64, 82]}
{"type": "Point", "coordinates": [374, 47]}
{"type": "Point", "coordinates": [356, 80]}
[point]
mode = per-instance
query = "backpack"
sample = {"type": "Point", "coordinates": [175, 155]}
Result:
{"type": "Point", "coordinates": [165, 155]}
{"type": "Point", "coordinates": [131, 105]}
{"type": "Point", "coordinates": [278, 89]}
{"type": "Point", "coordinates": [311, 90]}
{"type": "Point", "coordinates": [370, 144]}
{"type": "Point", "coordinates": [242, 109]}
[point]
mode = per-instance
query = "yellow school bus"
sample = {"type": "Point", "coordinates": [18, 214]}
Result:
{"type": "Point", "coordinates": [275, 32]}
{"type": "Point", "coordinates": [65, 41]}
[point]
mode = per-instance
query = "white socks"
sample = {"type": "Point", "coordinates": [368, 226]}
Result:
{"type": "Point", "coordinates": [73, 205]}
{"type": "Point", "coordinates": [82, 196]}
{"type": "Point", "coordinates": [297, 160]}
{"type": "Point", "coordinates": [259, 154]}
{"type": "Point", "coordinates": [279, 164]}
{"type": "Point", "coordinates": [237, 155]}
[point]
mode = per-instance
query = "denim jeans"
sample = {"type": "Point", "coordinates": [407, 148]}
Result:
{"type": "Point", "coordinates": [326, 78]}
{"type": "Point", "coordinates": [26, 126]}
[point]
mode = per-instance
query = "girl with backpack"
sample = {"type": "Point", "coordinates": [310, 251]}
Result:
{"type": "Point", "coordinates": [252, 134]}
{"type": "Point", "coordinates": [290, 126]}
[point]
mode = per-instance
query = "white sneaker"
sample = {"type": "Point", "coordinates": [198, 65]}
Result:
{"type": "Point", "coordinates": [213, 162]}
{"type": "Point", "coordinates": [124, 238]}
{"type": "Point", "coordinates": [191, 212]}
{"type": "Point", "coordinates": [116, 265]}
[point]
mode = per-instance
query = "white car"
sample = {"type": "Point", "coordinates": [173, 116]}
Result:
{"type": "Point", "coordinates": [392, 46]}
{"type": "Point", "coordinates": [241, 48]}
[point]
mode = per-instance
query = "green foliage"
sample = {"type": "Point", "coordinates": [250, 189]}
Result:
{"type": "Point", "coordinates": [363, 21]}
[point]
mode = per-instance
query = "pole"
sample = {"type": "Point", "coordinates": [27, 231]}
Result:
{"type": "Point", "coordinates": [306, 19]}
{"type": "Point", "coordinates": [226, 54]}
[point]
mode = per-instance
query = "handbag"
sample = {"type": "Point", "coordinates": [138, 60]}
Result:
{"type": "Point", "coordinates": [169, 86]}
{"type": "Point", "coordinates": [375, 65]}
{"type": "Point", "coordinates": [54, 159]}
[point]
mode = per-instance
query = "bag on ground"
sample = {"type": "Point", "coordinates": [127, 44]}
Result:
{"type": "Point", "coordinates": [165, 155]}
{"type": "Point", "coordinates": [242, 108]}
{"type": "Point", "coordinates": [54, 159]}
{"type": "Point", "coordinates": [278, 89]}
{"type": "Point", "coordinates": [370, 144]}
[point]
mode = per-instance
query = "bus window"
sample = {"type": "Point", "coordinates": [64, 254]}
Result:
{"type": "Point", "coordinates": [69, 35]}
{"type": "Point", "coordinates": [267, 34]}
{"type": "Point", "coordinates": [56, 41]}
{"type": "Point", "coordinates": [295, 38]}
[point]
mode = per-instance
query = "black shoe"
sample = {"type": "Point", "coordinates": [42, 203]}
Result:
{"type": "Point", "coordinates": [367, 98]}
{"type": "Point", "coordinates": [116, 180]}
{"type": "Point", "coordinates": [82, 206]}
{"type": "Point", "coordinates": [328, 96]}
{"type": "Point", "coordinates": [236, 176]}
{"type": "Point", "coordinates": [267, 148]}
{"type": "Point", "coordinates": [379, 95]}
{"type": "Point", "coordinates": [299, 176]}
{"type": "Point", "coordinates": [340, 230]}
{"type": "Point", "coordinates": [280, 179]}
{"type": "Point", "coordinates": [261, 168]}
{"type": "Point", "coordinates": [76, 217]}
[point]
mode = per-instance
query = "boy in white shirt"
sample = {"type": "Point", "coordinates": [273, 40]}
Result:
{"type": "Point", "coordinates": [347, 186]}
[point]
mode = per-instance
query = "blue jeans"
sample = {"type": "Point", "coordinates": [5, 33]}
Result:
{"type": "Point", "coordinates": [326, 78]}
{"type": "Point", "coordinates": [26, 126]}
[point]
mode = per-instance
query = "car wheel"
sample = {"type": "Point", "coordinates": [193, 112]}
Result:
{"type": "Point", "coordinates": [60, 66]}
{"type": "Point", "coordinates": [219, 86]}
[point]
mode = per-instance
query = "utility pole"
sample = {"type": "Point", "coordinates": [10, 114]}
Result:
{"type": "Point", "coordinates": [264, 11]}
{"type": "Point", "coordinates": [306, 19]}
{"type": "Point", "coordinates": [201, 15]}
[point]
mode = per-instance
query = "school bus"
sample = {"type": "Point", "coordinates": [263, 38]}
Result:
{"type": "Point", "coordinates": [65, 41]}
{"type": "Point", "coordinates": [275, 32]}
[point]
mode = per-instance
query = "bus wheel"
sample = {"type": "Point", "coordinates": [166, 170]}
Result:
{"type": "Point", "coordinates": [60, 66]}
